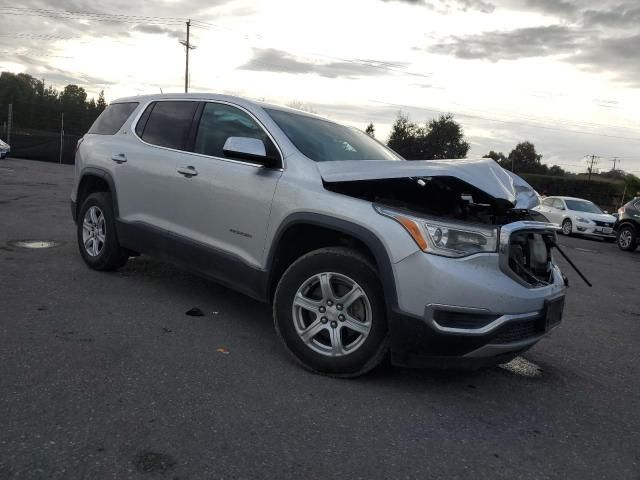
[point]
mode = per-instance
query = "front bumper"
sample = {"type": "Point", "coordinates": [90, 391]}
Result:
{"type": "Point", "coordinates": [422, 342]}
{"type": "Point", "coordinates": [594, 230]}
{"type": "Point", "coordinates": [466, 312]}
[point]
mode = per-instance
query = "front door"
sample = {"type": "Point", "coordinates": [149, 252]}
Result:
{"type": "Point", "coordinates": [230, 213]}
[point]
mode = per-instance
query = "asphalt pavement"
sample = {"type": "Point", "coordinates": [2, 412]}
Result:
{"type": "Point", "coordinates": [102, 375]}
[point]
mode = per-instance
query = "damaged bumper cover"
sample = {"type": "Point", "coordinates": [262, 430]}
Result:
{"type": "Point", "coordinates": [482, 285]}
{"type": "Point", "coordinates": [476, 310]}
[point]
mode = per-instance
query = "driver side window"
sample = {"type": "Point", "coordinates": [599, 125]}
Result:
{"type": "Point", "coordinates": [219, 122]}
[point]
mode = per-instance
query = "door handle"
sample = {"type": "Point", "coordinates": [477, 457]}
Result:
{"type": "Point", "coordinates": [119, 158]}
{"type": "Point", "coordinates": [188, 171]}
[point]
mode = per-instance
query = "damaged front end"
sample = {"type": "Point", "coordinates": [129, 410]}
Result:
{"type": "Point", "coordinates": [461, 210]}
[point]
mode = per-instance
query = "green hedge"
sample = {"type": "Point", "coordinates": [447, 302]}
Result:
{"type": "Point", "coordinates": [606, 193]}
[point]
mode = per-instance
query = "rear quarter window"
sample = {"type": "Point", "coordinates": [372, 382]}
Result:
{"type": "Point", "coordinates": [112, 118]}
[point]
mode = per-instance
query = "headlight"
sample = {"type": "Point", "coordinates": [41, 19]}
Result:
{"type": "Point", "coordinates": [441, 237]}
{"type": "Point", "coordinates": [583, 220]}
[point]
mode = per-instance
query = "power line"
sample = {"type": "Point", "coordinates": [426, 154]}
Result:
{"type": "Point", "coordinates": [70, 14]}
{"type": "Point", "coordinates": [637, 139]}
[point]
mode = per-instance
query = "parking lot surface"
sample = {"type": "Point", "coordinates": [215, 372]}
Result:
{"type": "Point", "coordinates": [102, 375]}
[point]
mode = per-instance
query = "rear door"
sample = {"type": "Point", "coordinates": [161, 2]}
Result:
{"type": "Point", "coordinates": [147, 176]}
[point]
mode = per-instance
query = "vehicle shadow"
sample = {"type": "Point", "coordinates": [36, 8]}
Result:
{"type": "Point", "coordinates": [247, 315]}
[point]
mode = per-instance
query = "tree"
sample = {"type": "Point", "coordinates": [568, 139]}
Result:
{"type": "Point", "coordinates": [445, 139]}
{"type": "Point", "coordinates": [524, 159]}
{"type": "Point", "coordinates": [370, 130]}
{"type": "Point", "coordinates": [440, 138]}
{"type": "Point", "coordinates": [556, 170]}
{"type": "Point", "coordinates": [300, 105]}
{"type": "Point", "coordinates": [101, 104]}
{"type": "Point", "coordinates": [405, 137]}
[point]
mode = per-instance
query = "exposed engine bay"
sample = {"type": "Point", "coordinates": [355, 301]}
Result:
{"type": "Point", "coordinates": [529, 252]}
{"type": "Point", "coordinates": [446, 197]}
{"type": "Point", "coordinates": [530, 256]}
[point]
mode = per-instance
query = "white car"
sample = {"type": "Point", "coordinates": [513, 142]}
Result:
{"type": "Point", "coordinates": [576, 215]}
{"type": "Point", "coordinates": [4, 149]}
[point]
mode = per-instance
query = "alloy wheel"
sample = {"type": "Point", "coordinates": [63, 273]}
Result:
{"type": "Point", "coordinates": [625, 238]}
{"type": "Point", "coordinates": [332, 314]}
{"type": "Point", "coordinates": [566, 228]}
{"type": "Point", "coordinates": [94, 231]}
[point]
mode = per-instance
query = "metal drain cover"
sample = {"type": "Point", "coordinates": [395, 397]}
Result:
{"type": "Point", "coordinates": [34, 243]}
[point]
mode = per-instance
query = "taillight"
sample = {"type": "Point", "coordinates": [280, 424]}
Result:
{"type": "Point", "coordinates": [621, 210]}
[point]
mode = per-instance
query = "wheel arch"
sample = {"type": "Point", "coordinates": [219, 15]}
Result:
{"type": "Point", "coordinates": [627, 222]}
{"type": "Point", "coordinates": [93, 180]}
{"type": "Point", "coordinates": [286, 247]}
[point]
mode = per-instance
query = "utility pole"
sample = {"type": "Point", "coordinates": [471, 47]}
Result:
{"type": "Point", "coordinates": [187, 46]}
{"type": "Point", "coordinates": [592, 161]}
{"type": "Point", "coordinates": [615, 159]}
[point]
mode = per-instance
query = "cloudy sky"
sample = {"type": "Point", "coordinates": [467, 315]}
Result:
{"type": "Point", "coordinates": [564, 74]}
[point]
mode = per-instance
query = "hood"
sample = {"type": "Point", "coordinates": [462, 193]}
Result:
{"type": "Point", "coordinates": [483, 173]}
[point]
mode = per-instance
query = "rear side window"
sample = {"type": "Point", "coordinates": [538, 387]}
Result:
{"type": "Point", "coordinates": [168, 124]}
{"type": "Point", "coordinates": [112, 118]}
{"type": "Point", "coordinates": [219, 122]}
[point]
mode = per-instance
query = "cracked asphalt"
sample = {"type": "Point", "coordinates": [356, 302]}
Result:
{"type": "Point", "coordinates": [102, 375]}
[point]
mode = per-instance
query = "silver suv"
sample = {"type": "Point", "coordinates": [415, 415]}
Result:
{"type": "Point", "coordinates": [360, 252]}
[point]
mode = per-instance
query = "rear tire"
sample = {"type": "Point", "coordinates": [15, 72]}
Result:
{"type": "Point", "coordinates": [567, 227]}
{"type": "Point", "coordinates": [96, 234]}
{"type": "Point", "coordinates": [329, 313]}
{"type": "Point", "coordinates": [627, 238]}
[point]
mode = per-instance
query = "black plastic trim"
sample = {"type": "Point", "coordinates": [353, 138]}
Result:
{"type": "Point", "coordinates": [228, 270]}
{"type": "Point", "coordinates": [74, 212]}
{"type": "Point", "coordinates": [357, 231]}
{"type": "Point", "coordinates": [106, 176]}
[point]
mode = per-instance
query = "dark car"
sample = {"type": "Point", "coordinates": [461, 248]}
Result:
{"type": "Point", "coordinates": [628, 225]}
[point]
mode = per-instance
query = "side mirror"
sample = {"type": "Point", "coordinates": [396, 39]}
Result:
{"type": "Point", "coordinates": [250, 149]}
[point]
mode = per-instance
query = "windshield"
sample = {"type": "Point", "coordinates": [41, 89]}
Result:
{"type": "Point", "coordinates": [583, 206]}
{"type": "Point", "coordinates": [324, 141]}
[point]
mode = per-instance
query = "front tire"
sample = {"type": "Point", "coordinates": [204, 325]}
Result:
{"type": "Point", "coordinates": [567, 227]}
{"type": "Point", "coordinates": [96, 234]}
{"type": "Point", "coordinates": [627, 238]}
{"type": "Point", "coordinates": [329, 313]}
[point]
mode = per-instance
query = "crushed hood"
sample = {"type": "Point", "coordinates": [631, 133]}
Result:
{"type": "Point", "coordinates": [483, 173]}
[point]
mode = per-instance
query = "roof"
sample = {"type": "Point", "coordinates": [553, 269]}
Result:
{"type": "Point", "coordinates": [215, 96]}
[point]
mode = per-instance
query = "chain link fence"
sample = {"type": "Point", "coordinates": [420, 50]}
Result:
{"type": "Point", "coordinates": [42, 132]}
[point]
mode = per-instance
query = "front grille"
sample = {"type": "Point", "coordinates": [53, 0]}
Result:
{"type": "Point", "coordinates": [603, 224]}
{"type": "Point", "coordinates": [516, 331]}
